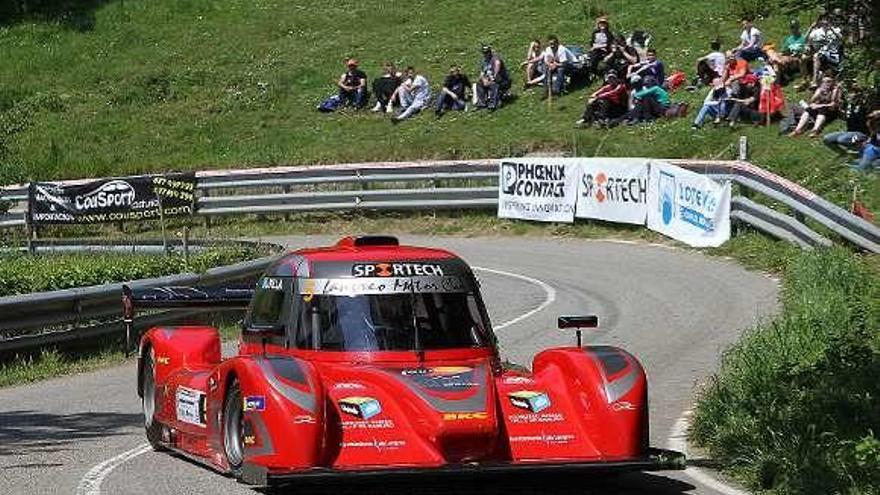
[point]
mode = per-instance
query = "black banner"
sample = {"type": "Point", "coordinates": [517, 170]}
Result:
{"type": "Point", "coordinates": [113, 200]}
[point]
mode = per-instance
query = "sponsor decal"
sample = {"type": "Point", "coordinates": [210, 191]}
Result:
{"type": "Point", "coordinates": [450, 378]}
{"type": "Point", "coordinates": [374, 444]}
{"type": "Point", "coordinates": [623, 406]}
{"type": "Point", "coordinates": [379, 285]}
{"type": "Point", "coordinates": [249, 439]}
{"type": "Point", "coordinates": [464, 416]}
{"type": "Point", "coordinates": [518, 380]}
{"type": "Point", "coordinates": [360, 407]}
{"type": "Point", "coordinates": [116, 193]}
{"type": "Point", "coordinates": [533, 418]}
{"type": "Point", "coordinates": [543, 438]}
{"type": "Point", "coordinates": [191, 406]}
{"type": "Point", "coordinates": [255, 403]}
{"type": "Point", "coordinates": [530, 400]}
{"type": "Point", "coordinates": [604, 187]}
{"type": "Point", "coordinates": [163, 360]}
{"type": "Point", "coordinates": [349, 386]}
{"type": "Point", "coordinates": [537, 189]}
{"type": "Point", "coordinates": [304, 419]}
{"type": "Point", "coordinates": [396, 270]}
{"type": "Point", "coordinates": [272, 283]}
{"type": "Point", "coordinates": [212, 383]}
{"type": "Point", "coordinates": [372, 424]}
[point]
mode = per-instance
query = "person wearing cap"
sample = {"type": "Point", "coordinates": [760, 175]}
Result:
{"type": "Point", "coordinates": [606, 103]}
{"type": "Point", "coordinates": [601, 40]}
{"type": "Point", "coordinates": [353, 85]}
{"type": "Point", "coordinates": [414, 94]}
{"type": "Point", "coordinates": [557, 62]}
{"type": "Point", "coordinates": [494, 80]}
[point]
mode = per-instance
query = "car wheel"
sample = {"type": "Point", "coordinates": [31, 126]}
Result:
{"type": "Point", "coordinates": [233, 428]}
{"type": "Point", "coordinates": [148, 402]}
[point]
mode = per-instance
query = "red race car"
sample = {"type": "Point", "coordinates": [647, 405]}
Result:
{"type": "Point", "coordinates": [368, 358]}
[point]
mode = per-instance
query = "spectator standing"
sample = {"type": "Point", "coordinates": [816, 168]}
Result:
{"type": "Point", "coordinates": [384, 86]}
{"type": "Point", "coordinates": [494, 80]}
{"type": "Point", "coordinates": [534, 64]}
{"type": "Point", "coordinates": [557, 62]}
{"type": "Point", "coordinates": [711, 65]}
{"type": "Point", "coordinates": [353, 85]}
{"type": "Point", "coordinates": [452, 94]}
{"type": "Point", "coordinates": [414, 94]}
{"type": "Point", "coordinates": [751, 42]}
{"type": "Point", "coordinates": [823, 107]}
{"type": "Point", "coordinates": [606, 103]}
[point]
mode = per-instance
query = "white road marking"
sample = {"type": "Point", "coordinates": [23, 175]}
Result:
{"type": "Point", "coordinates": [550, 294]}
{"type": "Point", "coordinates": [678, 441]}
{"type": "Point", "coordinates": [91, 482]}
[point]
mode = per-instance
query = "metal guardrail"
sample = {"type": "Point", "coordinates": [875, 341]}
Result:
{"type": "Point", "coordinates": [472, 184]}
{"type": "Point", "coordinates": [23, 317]}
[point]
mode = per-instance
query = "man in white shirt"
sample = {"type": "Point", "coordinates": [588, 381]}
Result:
{"type": "Point", "coordinates": [414, 94]}
{"type": "Point", "coordinates": [825, 43]}
{"type": "Point", "coordinates": [751, 42]}
{"type": "Point", "coordinates": [557, 61]}
{"type": "Point", "coordinates": [711, 66]}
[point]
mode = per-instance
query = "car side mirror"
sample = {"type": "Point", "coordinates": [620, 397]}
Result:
{"type": "Point", "coordinates": [577, 322]}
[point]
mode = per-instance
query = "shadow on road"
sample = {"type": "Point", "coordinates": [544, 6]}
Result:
{"type": "Point", "coordinates": [24, 432]}
{"type": "Point", "coordinates": [596, 484]}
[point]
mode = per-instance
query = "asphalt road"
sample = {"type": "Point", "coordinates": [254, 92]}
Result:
{"type": "Point", "coordinates": [675, 310]}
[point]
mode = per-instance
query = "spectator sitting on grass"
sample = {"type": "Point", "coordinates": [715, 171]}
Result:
{"type": "Point", "coordinates": [557, 62]}
{"type": "Point", "coordinates": [494, 80]}
{"type": "Point", "coordinates": [751, 42]}
{"type": "Point", "coordinates": [534, 64]}
{"type": "Point", "coordinates": [787, 62]}
{"type": "Point", "coordinates": [384, 86]}
{"type": "Point", "coordinates": [620, 58]}
{"type": "Point", "coordinates": [452, 93]}
{"type": "Point", "coordinates": [823, 107]}
{"type": "Point", "coordinates": [744, 101]}
{"type": "Point", "coordinates": [353, 85]}
{"type": "Point", "coordinates": [711, 65]}
{"type": "Point", "coordinates": [606, 103]}
{"type": "Point", "coordinates": [649, 103]}
{"type": "Point", "coordinates": [601, 40]}
{"type": "Point", "coordinates": [413, 94]}
{"type": "Point", "coordinates": [869, 158]}
{"type": "Point", "coordinates": [860, 126]}
{"type": "Point", "coordinates": [650, 67]}
{"type": "Point", "coordinates": [824, 51]}
{"type": "Point", "coordinates": [735, 69]}
{"type": "Point", "coordinates": [714, 105]}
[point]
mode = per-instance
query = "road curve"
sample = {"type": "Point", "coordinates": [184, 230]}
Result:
{"type": "Point", "coordinates": [674, 309]}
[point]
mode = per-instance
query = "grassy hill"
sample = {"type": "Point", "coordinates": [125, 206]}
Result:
{"type": "Point", "coordinates": [137, 86]}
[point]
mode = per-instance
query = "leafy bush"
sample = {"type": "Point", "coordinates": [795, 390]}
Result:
{"type": "Point", "coordinates": [22, 274]}
{"type": "Point", "coordinates": [796, 405]}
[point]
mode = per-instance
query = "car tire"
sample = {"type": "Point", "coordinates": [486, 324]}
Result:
{"type": "Point", "coordinates": [148, 401]}
{"type": "Point", "coordinates": [233, 428]}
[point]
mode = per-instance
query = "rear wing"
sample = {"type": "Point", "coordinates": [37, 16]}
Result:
{"type": "Point", "coordinates": [197, 298]}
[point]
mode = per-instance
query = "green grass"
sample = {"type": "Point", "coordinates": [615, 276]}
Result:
{"type": "Point", "coordinates": [795, 407]}
{"type": "Point", "coordinates": [191, 84]}
{"type": "Point", "coordinates": [52, 363]}
{"type": "Point", "coordinates": [22, 273]}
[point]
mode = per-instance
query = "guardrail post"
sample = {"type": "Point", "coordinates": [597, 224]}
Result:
{"type": "Point", "coordinates": [205, 194]}
{"type": "Point", "coordinates": [743, 148]}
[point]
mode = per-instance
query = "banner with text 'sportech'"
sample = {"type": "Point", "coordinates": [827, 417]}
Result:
{"type": "Point", "coordinates": [145, 197]}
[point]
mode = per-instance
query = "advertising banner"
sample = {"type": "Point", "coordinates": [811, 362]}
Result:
{"type": "Point", "coordinates": [613, 189]}
{"type": "Point", "coordinates": [112, 200]}
{"type": "Point", "coordinates": [540, 189]}
{"type": "Point", "coordinates": [687, 206]}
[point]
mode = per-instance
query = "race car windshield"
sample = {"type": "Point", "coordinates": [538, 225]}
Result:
{"type": "Point", "coordinates": [391, 322]}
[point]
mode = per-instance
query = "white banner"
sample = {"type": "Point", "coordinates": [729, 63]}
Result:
{"type": "Point", "coordinates": [613, 189]}
{"type": "Point", "coordinates": [688, 206]}
{"type": "Point", "coordinates": [540, 189]}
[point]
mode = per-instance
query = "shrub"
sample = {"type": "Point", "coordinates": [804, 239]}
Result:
{"type": "Point", "coordinates": [796, 404]}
